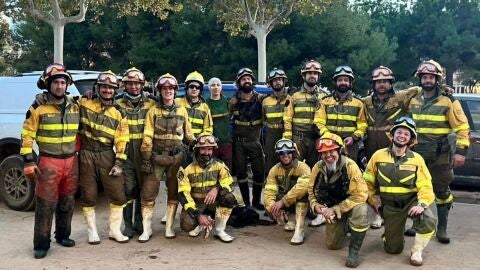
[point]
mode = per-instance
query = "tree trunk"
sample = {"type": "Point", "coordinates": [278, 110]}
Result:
{"type": "Point", "coordinates": [261, 36]}
{"type": "Point", "coordinates": [58, 30]}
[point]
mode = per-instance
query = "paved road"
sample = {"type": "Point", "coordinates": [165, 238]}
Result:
{"type": "Point", "coordinates": [255, 247]}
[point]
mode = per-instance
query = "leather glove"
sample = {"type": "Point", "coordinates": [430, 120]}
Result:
{"type": "Point", "coordinates": [30, 170]}
{"type": "Point", "coordinates": [338, 213]}
{"type": "Point", "coordinates": [147, 167]}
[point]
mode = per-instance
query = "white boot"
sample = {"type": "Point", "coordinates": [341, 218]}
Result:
{"type": "Point", "coordinates": [319, 220]}
{"type": "Point", "coordinates": [421, 242]}
{"type": "Point", "coordinates": [300, 213]}
{"type": "Point", "coordinates": [116, 217]}
{"type": "Point", "coordinates": [171, 213]}
{"type": "Point", "coordinates": [164, 219]}
{"type": "Point", "coordinates": [377, 222]}
{"type": "Point", "coordinates": [221, 217]}
{"type": "Point", "coordinates": [147, 214]}
{"type": "Point", "coordinates": [195, 232]}
{"type": "Point", "coordinates": [89, 214]}
{"type": "Point", "coordinates": [290, 225]}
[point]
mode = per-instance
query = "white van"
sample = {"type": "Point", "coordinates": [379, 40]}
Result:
{"type": "Point", "coordinates": [16, 95]}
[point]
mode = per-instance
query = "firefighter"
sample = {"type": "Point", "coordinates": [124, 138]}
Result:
{"type": "Point", "coordinates": [343, 113]}
{"type": "Point", "coordinates": [134, 103]}
{"type": "Point", "coordinates": [103, 127]}
{"type": "Point", "coordinates": [53, 126]}
{"type": "Point", "coordinates": [299, 115]}
{"type": "Point", "coordinates": [204, 189]}
{"type": "Point", "coordinates": [272, 112]}
{"type": "Point", "coordinates": [218, 105]}
{"type": "Point", "coordinates": [166, 127]}
{"type": "Point", "coordinates": [338, 191]}
{"type": "Point", "coordinates": [246, 107]}
{"type": "Point", "coordinates": [300, 112]}
{"type": "Point", "coordinates": [383, 106]}
{"type": "Point", "coordinates": [403, 181]}
{"type": "Point", "coordinates": [286, 190]}
{"type": "Point", "coordinates": [436, 116]}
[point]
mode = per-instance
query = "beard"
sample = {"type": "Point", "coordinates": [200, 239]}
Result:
{"type": "Point", "coordinates": [277, 88]}
{"type": "Point", "coordinates": [311, 82]}
{"type": "Point", "coordinates": [331, 167]}
{"type": "Point", "coordinates": [428, 88]}
{"type": "Point", "coordinates": [57, 97]}
{"type": "Point", "coordinates": [246, 88]}
{"type": "Point", "coordinates": [343, 88]}
{"type": "Point", "coordinates": [205, 158]}
{"type": "Point", "coordinates": [400, 145]}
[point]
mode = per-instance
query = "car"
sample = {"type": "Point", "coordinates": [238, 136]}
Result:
{"type": "Point", "coordinates": [228, 90]}
{"type": "Point", "coordinates": [17, 93]}
{"type": "Point", "coordinates": [468, 175]}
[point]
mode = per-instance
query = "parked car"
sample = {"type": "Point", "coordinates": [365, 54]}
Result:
{"type": "Point", "coordinates": [469, 174]}
{"type": "Point", "coordinates": [18, 93]}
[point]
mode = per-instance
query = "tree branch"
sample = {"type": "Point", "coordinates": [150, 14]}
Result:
{"type": "Point", "coordinates": [36, 13]}
{"type": "Point", "coordinates": [80, 17]}
{"type": "Point", "coordinates": [284, 13]}
{"type": "Point", "coordinates": [248, 16]}
{"type": "Point", "coordinates": [57, 12]}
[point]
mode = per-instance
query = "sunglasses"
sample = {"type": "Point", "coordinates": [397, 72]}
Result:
{"type": "Point", "coordinates": [194, 87]}
{"type": "Point", "coordinates": [104, 77]}
{"type": "Point", "coordinates": [135, 75]}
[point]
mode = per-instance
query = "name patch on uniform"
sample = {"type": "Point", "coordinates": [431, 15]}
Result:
{"type": "Point", "coordinates": [405, 167]}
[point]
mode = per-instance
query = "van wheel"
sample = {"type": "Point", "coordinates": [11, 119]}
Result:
{"type": "Point", "coordinates": [17, 191]}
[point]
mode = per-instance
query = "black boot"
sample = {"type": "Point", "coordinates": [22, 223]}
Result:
{"type": "Point", "coordinates": [356, 240]}
{"type": "Point", "coordinates": [127, 219]}
{"type": "Point", "coordinates": [410, 232]}
{"type": "Point", "coordinates": [137, 219]}
{"type": "Point", "coordinates": [442, 212]}
{"type": "Point", "coordinates": [256, 197]}
{"type": "Point", "coordinates": [63, 221]}
{"type": "Point", "coordinates": [43, 226]}
{"type": "Point", "coordinates": [245, 191]}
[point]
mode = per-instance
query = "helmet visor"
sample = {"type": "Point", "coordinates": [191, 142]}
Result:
{"type": "Point", "coordinates": [55, 68]}
{"type": "Point", "coordinates": [276, 72]}
{"type": "Point", "coordinates": [167, 80]}
{"type": "Point", "coordinates": [382, 73]}
{"type": "Point", "coordinates": [346, 69]}
{"type": "Point", "coordinates": [427, 68]}
{"type": "Point", "coordinates": [284, 145]}
{"type": "Point", "coordinates": [312, 66]}
{"type": "Point", "coordinates": [207, 140]}
{"type": "Point", "coordinates": [135, 75]}
{"type": "Point", "coordinates": [326, 145]}
{"type": "Point", "coordinates": [107, 78]}
{"type": "Point", "coordinates": [406, 121]}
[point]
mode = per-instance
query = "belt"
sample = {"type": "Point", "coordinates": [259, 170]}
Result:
{"type": "Point", "coordinates": [62, 156]}
{"type": "Point", "coordinates": [242, 139]}
{"type": "Point", "coordinates": [274, 125]}
{"type": "Point", "coordinates": [302, 135]}
{"type": "Point", "coordinates": [397, 204]}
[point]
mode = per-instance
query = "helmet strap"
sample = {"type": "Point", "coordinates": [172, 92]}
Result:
{"type": "Point", "coordinates": [130, 96]}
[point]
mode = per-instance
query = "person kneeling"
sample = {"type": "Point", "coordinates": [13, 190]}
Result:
{"type": "Point", "coordinates": [205, 187]}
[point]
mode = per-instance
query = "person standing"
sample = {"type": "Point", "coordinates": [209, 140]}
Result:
{"type": "Point", "coordinates": [218, 105]}
{"type": "Point", "coordinates": [53, 126]}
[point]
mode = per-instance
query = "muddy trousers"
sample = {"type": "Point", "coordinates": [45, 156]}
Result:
{"type": "Point", "coordinates": [151, 184]}
{"type": "Point", "coordinates": [394, 222]}
{"type": "Point", "coordinates": [271, 157]}
{"type": "Point", "coordinates": [306, 147]}
{"type": "Point", "coordinates": [354, 220]}
{"type": "Point", "coordinates": [132, 215]}
{"type": "Point", "coordinates": [54, 190]}
{"type": "Point", "coordinates": [245, 150]}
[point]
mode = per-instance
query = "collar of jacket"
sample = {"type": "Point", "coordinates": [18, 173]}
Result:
{"type": "Point", "coordinates": [349, 96]}
{"type": "Point", "coordinates": [341, 163]}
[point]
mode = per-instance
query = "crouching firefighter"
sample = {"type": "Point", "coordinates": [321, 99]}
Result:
{"type": "Point", "coordinates": [405, 186]}
{"type": "Point", "coordinates": [338, 191]}
{"type": "Point", "coordinates": [53, 126]}
{"type": "Point", "coordinates": [205, 189]}
{"type": "Point", "coordinates": [286, 191]}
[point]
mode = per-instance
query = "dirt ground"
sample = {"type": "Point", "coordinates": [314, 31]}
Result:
{"type": "Point", "coordinates": [260, 247]}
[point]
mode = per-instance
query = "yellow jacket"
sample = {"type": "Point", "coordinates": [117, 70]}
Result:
{"type": "Point", "coordinates": [54, 133]}
{"type": "Point", "coordinates": [299, 114]}
{"type": "Point", "coordinates": [289, 184]}
{"type": "Point", "coordinates": [194, 182]}
{"type": "Point", "coordinates": [102, 127]}
{"type": "Point", "coordinates": [345, 119]}
{"type": "Point", "coordinates": [356, 194]}
{"type": "Point", "coordinates": [438, 118]}
{"type": "Point", "coordinates": [199, 116]}
{"type": "Point", "coordinates": [273, 109]}
{"type": "Point", "coordinates": [398, 179]}
{"type": "Point", "coordinates": [165, 126]}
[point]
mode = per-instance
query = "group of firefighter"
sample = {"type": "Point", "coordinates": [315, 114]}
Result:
{"type": "Point", "coordinates": [303, 150]}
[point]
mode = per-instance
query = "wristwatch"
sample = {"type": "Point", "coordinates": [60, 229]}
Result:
{"type": "Point", "coordinates": [423, 205]}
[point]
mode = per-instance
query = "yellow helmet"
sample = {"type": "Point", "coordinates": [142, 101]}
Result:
{"type": "Point", "coordinates": [166, 78]}
{"type": "Point", "coordinates": [133, 75]}
{"type": "Point", "coordinates": [107, 78]}
{"type": "Point", "coordinates": [429, 67]}
{"type": "Point", "coordinates": [195, 76]}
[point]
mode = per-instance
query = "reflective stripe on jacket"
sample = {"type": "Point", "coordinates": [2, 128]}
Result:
{"type": "Point", "coordinates": [273, 110]}
{"type": "Point", "coordinates": [199, 116]}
